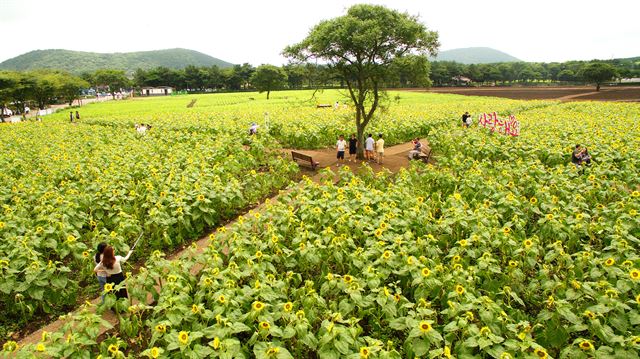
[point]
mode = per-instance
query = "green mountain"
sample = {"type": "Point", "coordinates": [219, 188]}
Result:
{"type": "Point", "coordinates": [475, 55]}
{"type": "Point", "coordinates": [78, 61]}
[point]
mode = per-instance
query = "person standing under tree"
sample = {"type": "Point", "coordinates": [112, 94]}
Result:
{"type": "Point", "coordinates": [77, 115]}
{"type": "Point", "coordinates": [71, 116]}
{"type": "Point", "coordinates": [340, 147]}
{"type": "Point", "coordinates": [353, 147]}
{"type": "Point", "coordinates": [380, 148]}
{"type": "Point", "coordinates": [112, 265]}
{"type": "Point", "coordinates": [369, 143]}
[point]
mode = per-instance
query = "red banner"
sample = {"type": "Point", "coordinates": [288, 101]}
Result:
{"type": "Point", "coordinates": [509, 126]}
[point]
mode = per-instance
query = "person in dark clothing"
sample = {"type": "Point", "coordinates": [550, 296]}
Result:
{"type": "Point", "coordinates": [77, 115]}
{"type": "Point", "coordinates": [466, 119]}
{"type": "Point", "coordinates": [353, 147]}
{"type": "Point", "coordinates": [71, 116]}
{"type": "Point", "coordinates": [580, 156]}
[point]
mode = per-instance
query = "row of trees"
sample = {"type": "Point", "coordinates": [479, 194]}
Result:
{"type": "Point", "coordinates": [40, 88]}
{"type": "Point", "coordinates": [409, 71]}
{"type": "Point", "coordinates": [447, 73]}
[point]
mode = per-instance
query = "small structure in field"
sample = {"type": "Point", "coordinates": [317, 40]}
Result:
{"type": "Point", "coordinates": [156, 91]}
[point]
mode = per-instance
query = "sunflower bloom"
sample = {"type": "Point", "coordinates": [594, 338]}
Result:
{"type": "Point", "coordinates": [183, 337]}
{"type": "Point", "coordinates": [425, 327]}
{"type": "Point", "coordinates": [609, 262]}
{"type": "Point", "coordinates": [364, 352]}
{"type": "Point", "coordinates": [586, 345]}
{"type": "Point", "coordinates": [541, 353]}
{"type": "Point", "coordinates": [215, 343]}
{"type": "Point", "coordinates": [161, 328]}
{"type": "Point", "coordinates": [257, 306]}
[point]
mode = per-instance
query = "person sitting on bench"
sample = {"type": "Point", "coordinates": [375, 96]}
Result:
{"type": "Point", "coordinates": [417, 149]}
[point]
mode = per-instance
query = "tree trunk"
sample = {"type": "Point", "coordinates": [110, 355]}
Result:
{"type": "Point", "coordinates": [597, 86]}
{"type": "Point", "coordinates": [268, 92]}
{"type": "Point", "coordinates": [359, 134]}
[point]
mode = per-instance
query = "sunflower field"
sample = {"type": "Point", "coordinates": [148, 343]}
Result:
{"type": "Point", "coordinates": [501, 249]}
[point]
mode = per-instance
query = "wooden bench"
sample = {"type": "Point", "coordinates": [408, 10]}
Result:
{"type": "Point", "coordinates": [323, 105]}
{"type": "Point", "coordinates": [305, 159]}
{"type": "Point", "coordinates": [424, 155]}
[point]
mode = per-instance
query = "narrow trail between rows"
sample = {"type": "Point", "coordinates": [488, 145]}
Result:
{"type": "Point", "coordinates": [395, 158]}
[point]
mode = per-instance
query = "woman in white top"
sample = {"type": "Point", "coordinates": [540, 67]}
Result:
{"type": "Point", "coordinates": [111, 264]}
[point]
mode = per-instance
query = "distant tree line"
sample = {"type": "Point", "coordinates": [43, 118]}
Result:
{"type": "Point", "coordinates": [38, 88]}
{"type": "Point", "coordinates": [411, 71]}
{"type": "Point", "coordinates": [41, 88]}
{"type": "Point", "coordinates": [447, 73]}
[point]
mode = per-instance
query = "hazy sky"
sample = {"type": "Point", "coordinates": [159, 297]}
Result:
{"type": "Point", "coordinates": [256, 31]}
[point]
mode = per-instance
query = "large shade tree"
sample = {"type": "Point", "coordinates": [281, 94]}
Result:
{"type": "Point", "coordinates": [362, 46]}
{"type": "Point", "coordinates": [598, 72]}
{"type": "Point", "coordinates": [268, 78]}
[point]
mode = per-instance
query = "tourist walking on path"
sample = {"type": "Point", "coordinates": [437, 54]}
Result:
{"type": "Point", "coordinates": [340, 147]}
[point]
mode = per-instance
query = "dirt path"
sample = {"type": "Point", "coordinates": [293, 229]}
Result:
{"type": "Point", "coordinates": [395, 159]}
{"type": "Point", "coordinates": [570, 97]}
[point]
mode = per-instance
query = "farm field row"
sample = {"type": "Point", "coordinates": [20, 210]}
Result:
{"type": "Point", "coordinates": [291, 117]}
{"type": "Point", "coordinates": [66, 188]}
{"type": "Point", "coordinates": [504, 249]}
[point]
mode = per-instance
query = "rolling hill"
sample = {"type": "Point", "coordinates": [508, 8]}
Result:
{"type": "Point", "coordinates": [475, 55]}
{"type": "Point", "coordinates": [78, 61]}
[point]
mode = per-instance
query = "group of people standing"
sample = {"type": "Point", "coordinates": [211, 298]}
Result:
{"type": "Point", "coordinates": [373, 150]}
{"type": "Point", "coordinates": [77, 116]}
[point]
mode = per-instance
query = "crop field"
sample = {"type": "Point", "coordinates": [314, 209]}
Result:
{"type": "Point", "coordinates": [502, 249]}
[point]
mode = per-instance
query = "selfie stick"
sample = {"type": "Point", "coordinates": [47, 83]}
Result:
{"type": "Point", "coordinates": [136, 243]}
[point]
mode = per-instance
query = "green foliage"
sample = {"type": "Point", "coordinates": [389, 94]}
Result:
{"type": "Point", "coordinates": [362, 46]}
{"type": "Point", "coordinates": [78, 62]}
{"type": "Point", "coordinates": [504, 249]}
{"type": "Point", "coordinates": [268, 78]}
{"type": "Point", "coordinates": [114, 80]}
{"type": "Point", "coordinates": [598, 72]}
{"type": "Point", "coordinates": [42, 87]}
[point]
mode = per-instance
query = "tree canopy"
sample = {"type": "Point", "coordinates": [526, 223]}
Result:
{"type": "Point", "coordinates": [362, 47]}
{"type": "Point", "coordinates": [599, 72]}
{"type": "Point", "coordinates": [267, 78]}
